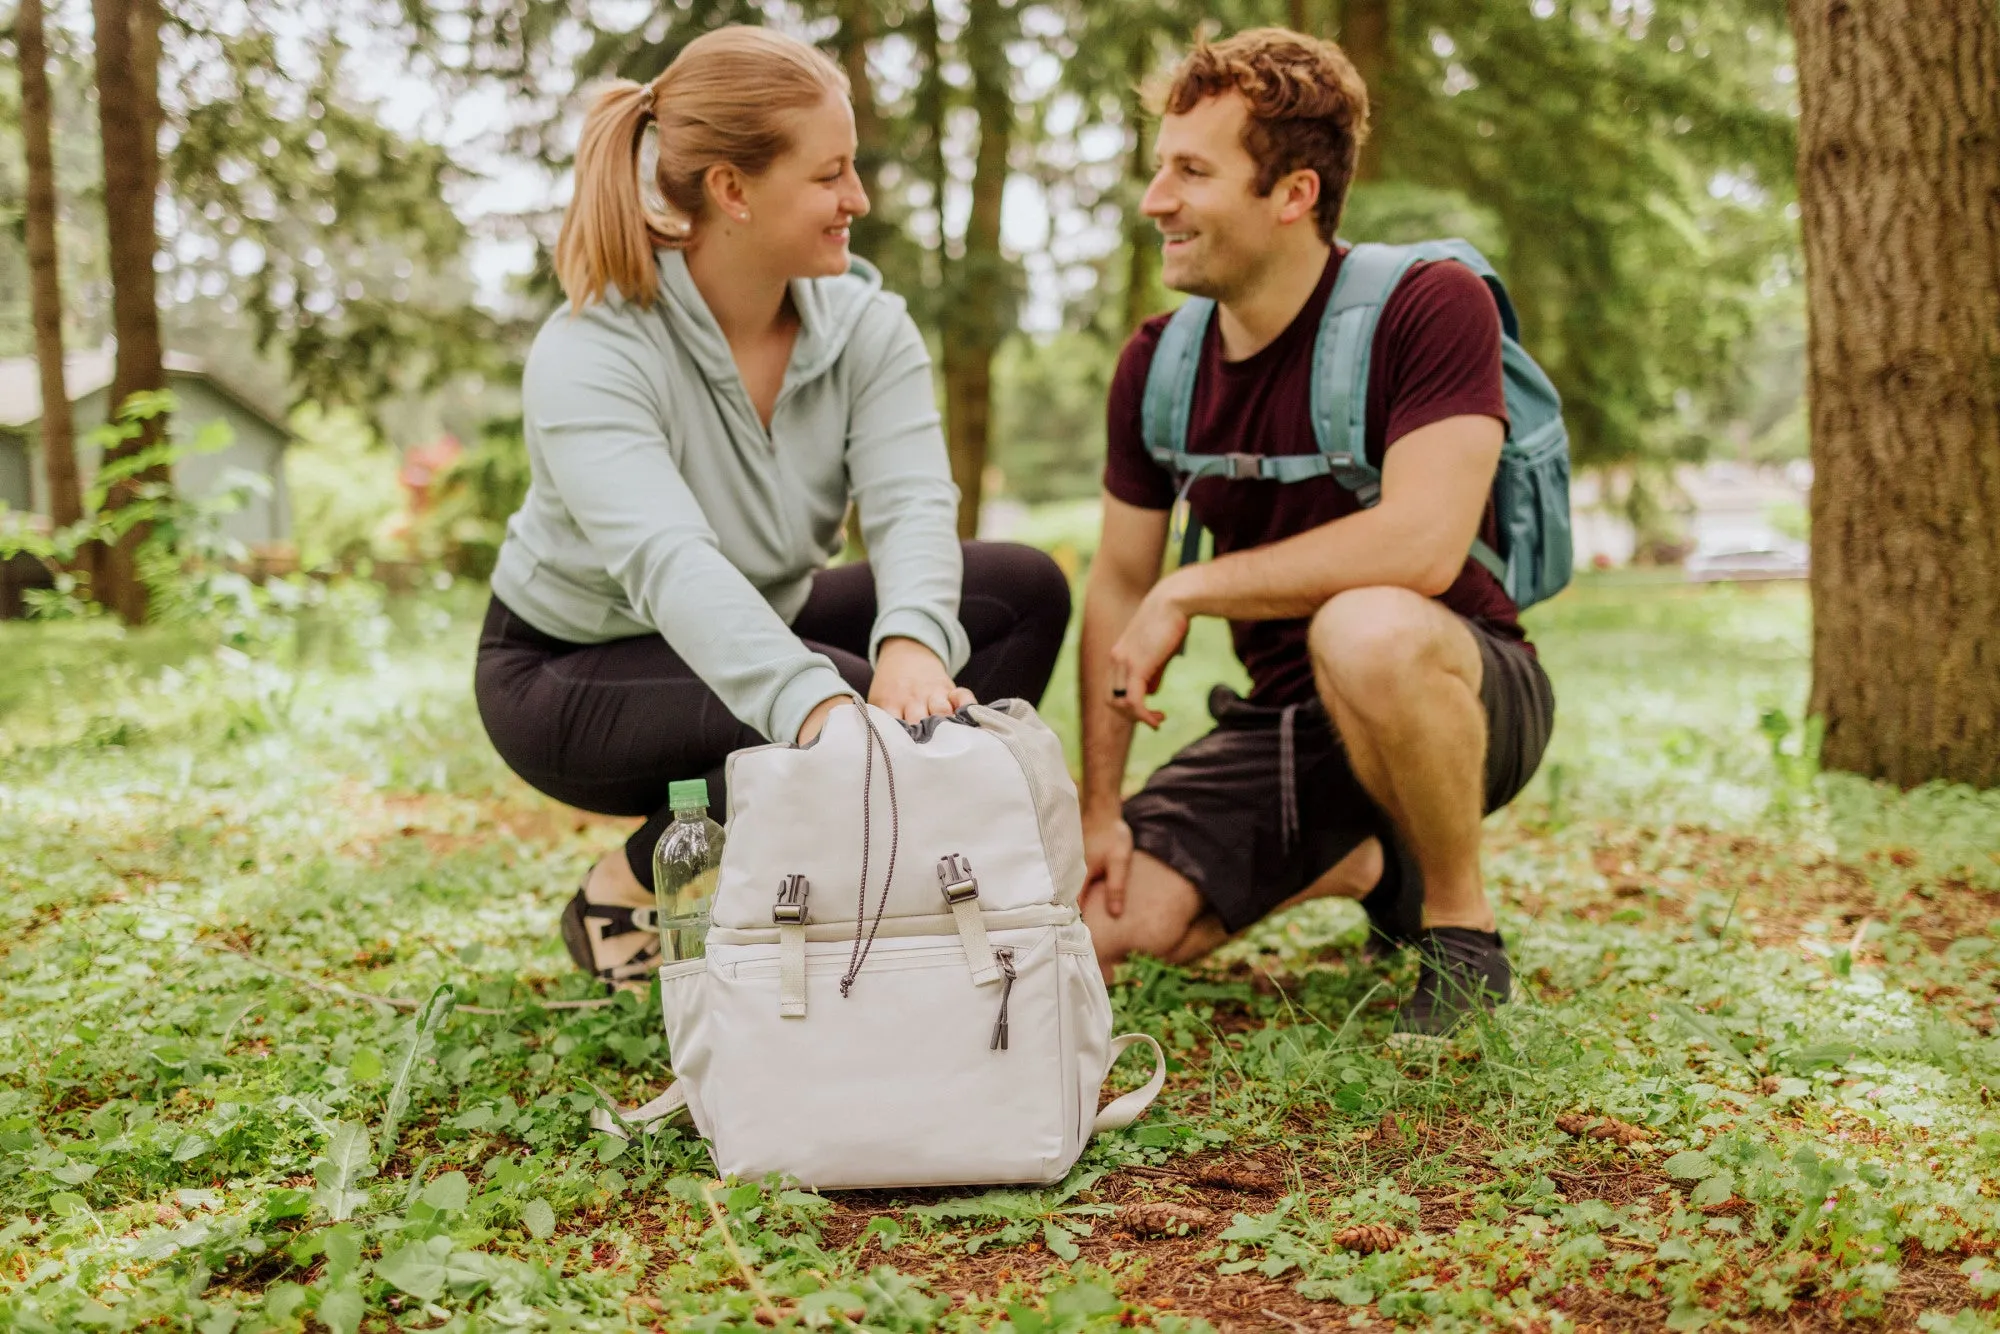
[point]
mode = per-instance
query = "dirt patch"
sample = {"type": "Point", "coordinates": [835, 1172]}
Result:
{"type": "Point", "coordinates": [1778, 888]}
{"type": "Point", "coordinates": [451, 824]}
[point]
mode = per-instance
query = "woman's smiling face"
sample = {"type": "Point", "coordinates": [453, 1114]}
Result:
{"type": "Point", "coordinates": [800, 207]}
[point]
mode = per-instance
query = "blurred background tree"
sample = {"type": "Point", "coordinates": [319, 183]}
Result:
{"type": "Point", "coordinates": [1626, 164]}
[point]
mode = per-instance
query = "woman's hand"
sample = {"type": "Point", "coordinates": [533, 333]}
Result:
{"type": "Point", "coordinates": [815, 720]}
{"type": "Point", "coordinates": [912, 683]}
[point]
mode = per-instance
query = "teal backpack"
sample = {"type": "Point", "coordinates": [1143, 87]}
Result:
{"type": "Point", "coordinates": [1530, 487]}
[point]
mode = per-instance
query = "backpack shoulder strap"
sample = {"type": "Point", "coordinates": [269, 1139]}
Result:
{"type": "Point", "coordinates": [1368, 274]}
{"type": "Point", "coordinates": [1169, 396]}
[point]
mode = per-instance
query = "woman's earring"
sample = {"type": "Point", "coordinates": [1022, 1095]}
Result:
{"type": "Point", "coordinates": [743, 217]}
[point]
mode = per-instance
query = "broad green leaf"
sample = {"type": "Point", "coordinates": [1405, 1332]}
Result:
{"type": "Point", "coordinates": [286, 1204]}
{"type": "Point", "coordinates": [1082, 1302]}
{"type": "Point", "coordinates": [448, 1193]}
{"type": "Point", "coordinates": [342, 1246]}
{"type": "Point", "coordinates": [539, 1219]}
{"type": "Point", "coordinates": [191, 1146]}
{"type": "Point", "coordinates": [1689, 1165]}
{"type": "Point", "coordinates": [1057, 1238]}
{"type": "Point", "coordinates": [1714, 1190]}
{"type": "Point", "coordinates": [417, 1268]}
{"type": "Point", "coordinates": [365, 1065]}
{"type": "Point", "coordinates": [342, 1170]}
{"type": "Point", "coordinates": [341, 1310]}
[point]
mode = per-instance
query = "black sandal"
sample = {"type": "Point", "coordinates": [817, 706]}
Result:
{"type": "Point", "coordinates": [618, 920]}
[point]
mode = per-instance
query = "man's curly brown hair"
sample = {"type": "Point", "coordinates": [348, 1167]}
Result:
{"type": "Point", "coordinates": [1308, 107]}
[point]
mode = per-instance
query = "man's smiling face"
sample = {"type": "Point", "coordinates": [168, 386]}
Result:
{"type": "Point", "coordinates": [1218, 232]}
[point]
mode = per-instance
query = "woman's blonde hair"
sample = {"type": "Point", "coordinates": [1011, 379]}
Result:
{"type": "Point", "coordinates": [727, 98]}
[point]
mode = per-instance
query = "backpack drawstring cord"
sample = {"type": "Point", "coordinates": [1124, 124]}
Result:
{"type": "Point", "coordinates": [859, 954]}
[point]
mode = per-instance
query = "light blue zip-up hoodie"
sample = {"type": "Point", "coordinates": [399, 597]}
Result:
{"type": "Point", "coordinates": [659, 502]}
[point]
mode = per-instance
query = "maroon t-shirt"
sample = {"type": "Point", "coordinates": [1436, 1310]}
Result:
{"type": "Point", "coordinates": [1436, 355]}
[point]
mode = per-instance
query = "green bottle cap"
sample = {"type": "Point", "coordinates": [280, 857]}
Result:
{"type": "Point", "coordinates": [689, 792]}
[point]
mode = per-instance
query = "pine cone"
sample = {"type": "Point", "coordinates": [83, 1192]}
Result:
{"type": "Point", "coordinates": [1602, 1127]}
{"type": "Point", "coordinates": [1160, 1218]}
{"type": "Point", "coordinates": [1236, 1176]}
{"type": "Point", "coordinates": [1368, 1237]}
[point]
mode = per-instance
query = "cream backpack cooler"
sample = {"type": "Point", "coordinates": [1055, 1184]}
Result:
{"type": "Point", "coordinates": [897, 990]}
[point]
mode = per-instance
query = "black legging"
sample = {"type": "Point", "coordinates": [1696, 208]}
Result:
{"type": "Point", "coordinates": [606, 727]}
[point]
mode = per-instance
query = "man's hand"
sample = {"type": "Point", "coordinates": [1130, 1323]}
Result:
{"type": "Point", "coordinates": [1139, 658]}
{"type": "Point", "coordinates": [1107, 857]}
{"type": "Point", "coordinates": [911, 682]}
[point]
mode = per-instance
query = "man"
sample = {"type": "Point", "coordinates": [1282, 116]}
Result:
{"type": "Point", "coordinates": [1394, 697]}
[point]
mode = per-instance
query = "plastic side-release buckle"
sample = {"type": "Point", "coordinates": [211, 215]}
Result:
{"type": "Point", "coordinates": [961, 891]}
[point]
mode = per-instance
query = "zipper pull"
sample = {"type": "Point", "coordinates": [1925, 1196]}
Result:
{"type": "Point", "coordinates": [1005, 958]}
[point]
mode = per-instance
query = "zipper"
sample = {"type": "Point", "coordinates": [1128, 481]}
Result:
{"type": "Point", "coordinates": [922, 924]}
{"type": "Point", "coordinates": [1004, 956]}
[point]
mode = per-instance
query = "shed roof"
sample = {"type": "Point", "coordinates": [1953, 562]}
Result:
{"type": "Point", "coordinates": [85, 373]}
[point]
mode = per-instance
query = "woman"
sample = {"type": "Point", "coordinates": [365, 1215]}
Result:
{"type": "Point", "coordinates": [725, 380]}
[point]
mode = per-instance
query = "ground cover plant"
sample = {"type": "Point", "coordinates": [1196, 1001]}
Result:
{"type": "Point", "coordinates": [287, 1040]}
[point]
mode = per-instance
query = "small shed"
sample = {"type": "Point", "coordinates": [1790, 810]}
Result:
{"type": "Point", "coordinates": [257, 438]}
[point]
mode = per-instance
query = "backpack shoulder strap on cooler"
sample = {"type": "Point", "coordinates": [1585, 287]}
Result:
{"type": "Point", "coordinates": [613, 1118]}
{"type": "Point", "coordinates": [1123, 1110]}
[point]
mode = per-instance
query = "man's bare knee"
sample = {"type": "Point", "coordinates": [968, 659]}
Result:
{"type": "Point", "coordinates": [1161, 905]}
{"type": "Point", "coordinates": [1371, 647]}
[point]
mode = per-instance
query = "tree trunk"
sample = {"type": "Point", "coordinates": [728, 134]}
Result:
{"type": "Point", "coordinates": [1142, 238]}
{"type": "Point", "coordinates": [58, 427]}
{"type": "Point", "coordinates": [128, 111]}
{"type": "Point", "coordinates": [1295, 16]}
{"type": "Point", "coordinates": [857, 29]}
{"type": "Point", "coordinates": [1364, 35]}
{"type": "Point", "coordinates": [979, 312]}
{"type": "Point", "coordinates": [1899, 188]}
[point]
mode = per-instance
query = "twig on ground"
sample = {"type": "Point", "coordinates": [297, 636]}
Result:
{"type": "Point", "coordinates": [765, 1307]}
{"type": "Point", "coordinates": [393, 1002]}
{"type": "Point", "coordinates": [1284, 1319]}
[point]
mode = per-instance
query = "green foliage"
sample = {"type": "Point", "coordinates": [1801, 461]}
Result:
{"type": "Point", "coordinates": [1048, 414]}
{"type": "Point", "coordinates": [469, 504]}
{"type": "Point", "coordinates": [189, 1138]}
{"type": "Point", "coordinates": [341, 480]}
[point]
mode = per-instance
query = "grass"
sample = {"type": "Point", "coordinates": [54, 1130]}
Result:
{"type": "Point", "coordinates": [1781, 984]}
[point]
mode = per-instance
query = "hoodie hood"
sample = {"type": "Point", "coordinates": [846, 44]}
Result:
{"type": "Point", "coordinates": [829, 309]}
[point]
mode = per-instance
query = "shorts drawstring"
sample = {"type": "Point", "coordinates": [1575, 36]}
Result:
{"type": "Point", "coordinates": [1288, 780]}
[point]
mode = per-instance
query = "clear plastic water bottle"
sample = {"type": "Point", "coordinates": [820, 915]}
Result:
{"type": "Point", "coordinates": [685, 864]}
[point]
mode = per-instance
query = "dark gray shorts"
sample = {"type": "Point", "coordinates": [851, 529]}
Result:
{"type": "Point", "coordinates": [1217, 812]}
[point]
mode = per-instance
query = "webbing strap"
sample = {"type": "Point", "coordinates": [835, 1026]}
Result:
{"type": "Point", "coordinates": [792, 970]}
{"type": "Point", "coordinates": [1490, 558]}
{"type": "Point", "coordinates": [961, 894]}
{"type": "Point", "coordinates": [1124, 1110]}
{"type": "Point", "coordinates": [972, 934]}
{"type": "Point", "coordinates": [1169, 395]}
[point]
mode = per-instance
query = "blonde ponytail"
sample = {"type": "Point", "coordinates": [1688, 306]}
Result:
{"type": "Point", "coordinates": [608, 235]}
{"type": "Point", "coordinates": [729, 97]}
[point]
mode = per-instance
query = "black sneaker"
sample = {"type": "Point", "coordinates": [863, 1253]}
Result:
{"type": "Point", "coordinates": [634, 973]}
{"type": "Point", "coordinates": [1463, 970]}
{"type": "Point", "coordinates": [1395, 907]}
